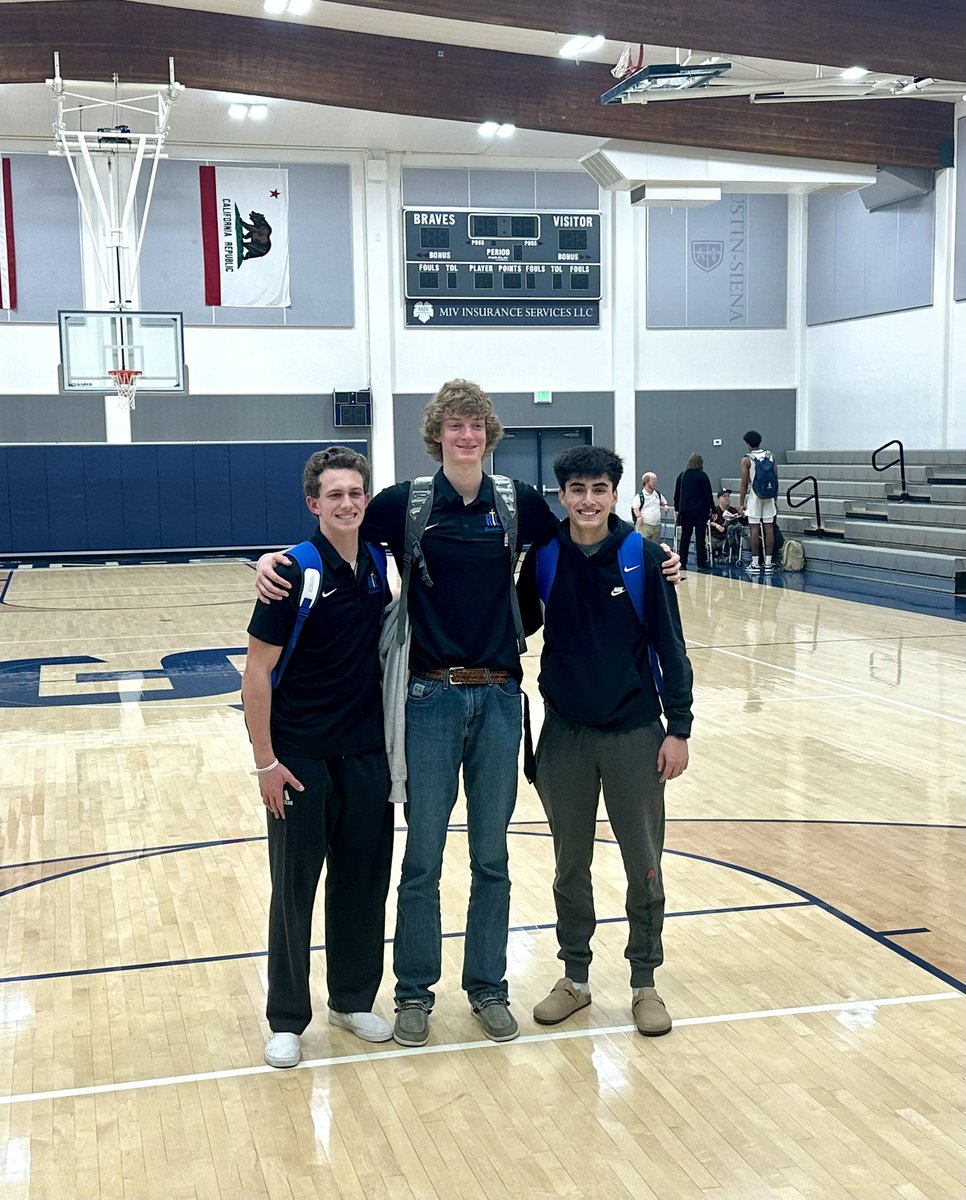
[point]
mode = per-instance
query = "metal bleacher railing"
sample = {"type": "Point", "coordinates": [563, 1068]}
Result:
{"type": "Point", "coordinates": [819, 530]}
{"type": "Point", "coordinates": [903, 497]}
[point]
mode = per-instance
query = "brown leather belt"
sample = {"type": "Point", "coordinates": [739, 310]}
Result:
{"type": "Point", "coordinates": [470, 676]}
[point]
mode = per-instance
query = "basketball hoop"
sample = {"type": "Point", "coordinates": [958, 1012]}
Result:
{"type": "Point", "coordinates": [126, 382]}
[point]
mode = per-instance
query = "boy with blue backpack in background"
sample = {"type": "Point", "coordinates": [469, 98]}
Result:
{"type": "Point", "coordinates": [313, 707]}
{"type": "Point", "coordinates": [613, 655]}
{"type": "Point", "coordinates": [758, 499]}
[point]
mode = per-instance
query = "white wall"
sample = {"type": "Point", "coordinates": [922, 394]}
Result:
{"type": "Point", "coordinates": [899, 375]}
{"type": "Point", "coordinates": [873, 379]}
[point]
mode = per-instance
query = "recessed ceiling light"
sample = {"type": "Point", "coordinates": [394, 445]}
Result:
{"type": "Point", "coordinates": [273, 7]}
{"type": "Point", "coordinates": [488, 129]}
{"type": "Point", "coordinates": [581, 44]}
{"type": "Point", "coordinates": [854, 73]}
{"type": "Point", "coordinates": [238, 112]}
{"type": "Point", "coordinates": [506, 130]}
{"type": "Point", "coordinates": [258, 112]}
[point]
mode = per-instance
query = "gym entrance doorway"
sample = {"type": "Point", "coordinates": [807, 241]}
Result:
{"type": "Point", "coordinates": [528, 454]}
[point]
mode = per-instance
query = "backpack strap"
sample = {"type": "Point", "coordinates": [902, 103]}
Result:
{"type": "Point", "coordinates": [417, 517]}
{"type": "Point", "coordinates": [307, 556]}
{"type": "Point", "coordinates": [630, 557]}
{"type": "Point", "coordinates": [505, 500]}
{"type": "Point", "coordinates": [547, 557]}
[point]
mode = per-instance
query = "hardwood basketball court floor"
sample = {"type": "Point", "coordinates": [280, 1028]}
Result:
{"type": "Point", "coordinates": [814, 942]}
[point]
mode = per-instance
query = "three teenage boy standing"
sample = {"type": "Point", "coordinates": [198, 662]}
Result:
{"type": "Point", "coordinates": [463, 707]}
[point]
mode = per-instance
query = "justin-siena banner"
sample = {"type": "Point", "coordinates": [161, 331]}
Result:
{"type": "Point", "coordinates": [8, 264]}
{"type": "Point", "coordinates": [244, 231]}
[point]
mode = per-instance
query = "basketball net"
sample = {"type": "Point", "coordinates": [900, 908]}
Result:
{"type": "Point", "coordinates": [630, 61]}
{"type": "Point", "coordinates": [126, 383]}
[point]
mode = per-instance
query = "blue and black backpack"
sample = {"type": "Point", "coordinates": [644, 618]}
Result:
{"type": "Point", "coordinates": [307, 556]}
{"type": "Point", "coordinates": [765, 481]}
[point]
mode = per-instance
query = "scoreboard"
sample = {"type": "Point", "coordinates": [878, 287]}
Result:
{"type": "Point", "coordinates": [538, 258]}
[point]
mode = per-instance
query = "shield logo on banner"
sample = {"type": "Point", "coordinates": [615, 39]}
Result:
{"type": "Point", "coordinates": [707, 255]}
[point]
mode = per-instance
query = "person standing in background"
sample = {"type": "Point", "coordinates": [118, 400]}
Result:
{"type": "Point", "coordinates": [694, 504]}
{"type": "Point", "coordinates": [648, 508]}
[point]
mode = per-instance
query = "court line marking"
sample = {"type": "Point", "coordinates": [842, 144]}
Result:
{"type": "Point", "coordinates": [134, 1085]}
{"type": "Point", "coordinates": [848, 687]}
{"type": "Point", "coordinates": [243, 955]}
{"type": "Point", "coordinates": [6, 584]}
{"type": "Point", "coordinates": [460, 826]}
{"type": "Point", "coordinates": [107, 739]}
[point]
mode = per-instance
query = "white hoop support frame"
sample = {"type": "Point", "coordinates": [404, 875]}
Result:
{"type": "Point", "coordinates": [79, 144]}
{"type": "Point", "coordinates": [126, 383]}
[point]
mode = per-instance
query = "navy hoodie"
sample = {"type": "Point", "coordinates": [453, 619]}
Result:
{"type": "Point", "coordinates": [594, 668]}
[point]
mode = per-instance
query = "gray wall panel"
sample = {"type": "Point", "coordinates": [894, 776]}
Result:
{"type": "Point", "coordinates": [724, 266]}
{"type": "Point", "coordinates": [819, 278]}
{"type": "Point", "coordinates": [861, 263]}
{"type": "Point", "coordinates": [567, 189]}
{"type": "Point", "coordinates": [914, 251]}
{"type": "Point", "coordinates": [671, 426]}
{"type": "Point", "coordinates": [47, 224]}
{"type": "Point", "coordinates": [768, 233]}
{"type": "Point", "coordinates": [52, 419]}
{"type": "Point", "coordinates": [959, 276]}
{"type": "Point", "coordinates": [502, 189]}
{"type": "Point", "coordinates": [880, 259]}
{"type": "Point", "coordinates": [515, 409]}
{"type": "Point", "coordinates": [160, 418]}
{"type": "Point", "coordinates": [451, 189]}
{"type": "Point", "coordinates": [320, 250]}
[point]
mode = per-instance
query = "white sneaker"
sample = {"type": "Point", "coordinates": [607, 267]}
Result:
{"type": "Point", "coordinates": [365, 1025]}
{"type": "Point", "coordinates": [283, 1050]}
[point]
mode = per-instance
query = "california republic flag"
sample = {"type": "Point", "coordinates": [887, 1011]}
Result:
{"type": "Point", "coordinates": [8, 266]}
{"type": "Point", "coordinates": [244, 232]}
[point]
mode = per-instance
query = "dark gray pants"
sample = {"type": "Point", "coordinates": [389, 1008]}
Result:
{"type": "Point", "coordinates": [573, 762]}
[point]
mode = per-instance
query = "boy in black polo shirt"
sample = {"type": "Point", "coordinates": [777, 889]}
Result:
{"type": "Point", "coordinates": [602, 725]}
{"type": "Point", "coordinates": [322, 771]}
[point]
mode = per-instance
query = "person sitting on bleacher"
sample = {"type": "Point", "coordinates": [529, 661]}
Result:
{"type": "Point", "coordinates": [725, 528]}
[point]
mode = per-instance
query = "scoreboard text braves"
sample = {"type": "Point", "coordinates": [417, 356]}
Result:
{"type": "Point", "coordinates": [480, 267]}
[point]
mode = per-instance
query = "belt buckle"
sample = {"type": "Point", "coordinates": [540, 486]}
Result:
{"type": "Point", "coordinates": [449, 676]}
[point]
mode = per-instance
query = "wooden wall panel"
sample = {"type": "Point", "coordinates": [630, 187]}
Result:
{"type": "Point", "coordinates": [885, 35]}
{"type": "Point", "coordinates": [364, 71]}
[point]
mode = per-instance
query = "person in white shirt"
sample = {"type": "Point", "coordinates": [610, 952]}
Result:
{"type": "Point", "coordinates": [647, 508]}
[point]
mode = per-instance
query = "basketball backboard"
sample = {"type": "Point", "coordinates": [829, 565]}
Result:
{"type": "Point", "coordinates": [93, 343]}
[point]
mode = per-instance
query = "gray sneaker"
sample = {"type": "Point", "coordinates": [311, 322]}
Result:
{"type": "Point", "coordinates": [412, 1024]}
{"type": "Point", "coordinates": [498, 1023]}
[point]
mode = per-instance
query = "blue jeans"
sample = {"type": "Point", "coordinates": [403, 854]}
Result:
{"type": "Point", "coordinates": [449, 725]}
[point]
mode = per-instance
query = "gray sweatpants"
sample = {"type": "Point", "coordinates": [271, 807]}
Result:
{"type": "Point", "coordinates": [572, 764]}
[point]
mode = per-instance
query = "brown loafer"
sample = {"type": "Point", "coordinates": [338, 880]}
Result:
{"type": "Point", "coordinates": [563, 1001]}
{"type": "Point", "coordinates": [650, 1014]}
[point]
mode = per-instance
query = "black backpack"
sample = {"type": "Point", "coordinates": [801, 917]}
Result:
{"type": "Point", "coordinates": [765, 481]}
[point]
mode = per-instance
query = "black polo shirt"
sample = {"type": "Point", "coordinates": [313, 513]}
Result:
{"type": "Point", "coordinates": [464, 619]}
{"type": "Point", "coordinates": [329, 701]}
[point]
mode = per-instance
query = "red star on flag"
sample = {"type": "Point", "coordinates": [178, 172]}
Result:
{"type": "Point", "coordinates": [274, 194]}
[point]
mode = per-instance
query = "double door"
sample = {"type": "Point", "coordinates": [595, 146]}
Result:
{"type": "Point", "coordinates": [528, 454]}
